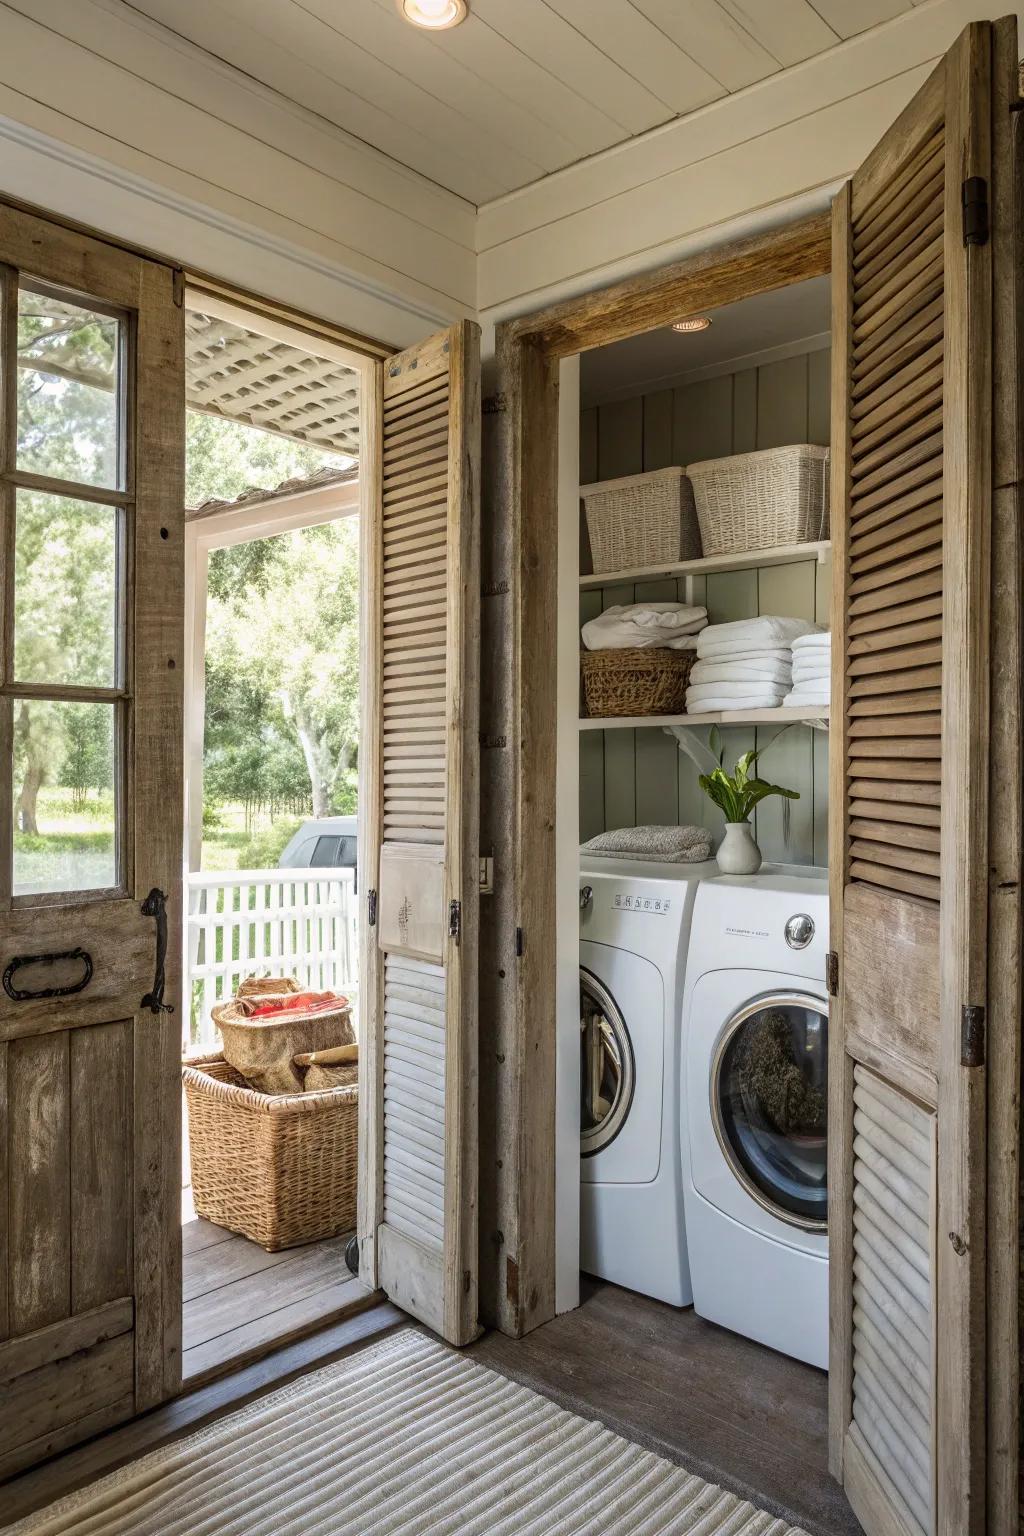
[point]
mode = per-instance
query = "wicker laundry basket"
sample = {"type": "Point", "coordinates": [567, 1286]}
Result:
{"type": "Point", "coordinates": [651, 681]}
{"type": "Point", "coordinates": [278, 1168]}
{"type": "Point", "coordinates": [641, 520]}
{"type": "Point", "coordinates": [759, 500]}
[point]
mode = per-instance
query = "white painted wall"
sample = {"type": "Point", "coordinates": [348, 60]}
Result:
{"type": "Point", "coordinates": [108, 118]}
{"type": "Point", "coordinates": [745, 163]}
{"type": "Point", "coordinates": [567, 854]}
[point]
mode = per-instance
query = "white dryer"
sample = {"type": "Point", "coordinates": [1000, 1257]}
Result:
{"type": "Point", "coordinates": [755, 1091]}
{"type": "Point", "coordinates": [634, 928]}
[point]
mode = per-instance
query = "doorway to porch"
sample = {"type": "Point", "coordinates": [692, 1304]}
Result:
{"type": "Point", "coordinates": [271, 877]}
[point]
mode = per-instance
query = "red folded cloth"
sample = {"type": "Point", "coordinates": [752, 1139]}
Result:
{"type": "Point", "coordinates": [295, 1002]}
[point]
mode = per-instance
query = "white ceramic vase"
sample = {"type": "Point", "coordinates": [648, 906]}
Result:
{"type": "Point", "coordinates": [739, 854]}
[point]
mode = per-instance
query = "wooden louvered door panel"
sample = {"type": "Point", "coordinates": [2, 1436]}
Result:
{"type": "Point", "coordinates": [912, 445]}
{"type": "Point", "coordinates": [419, 753]}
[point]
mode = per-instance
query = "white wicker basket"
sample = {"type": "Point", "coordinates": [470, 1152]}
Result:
{"type": "Point", "coordinates": [759, 500]}
{"type": "Point", "coordinates": [641, 520]}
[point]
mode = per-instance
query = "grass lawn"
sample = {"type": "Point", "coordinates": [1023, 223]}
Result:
{"type": "Point", "coordinates": [74, 847]}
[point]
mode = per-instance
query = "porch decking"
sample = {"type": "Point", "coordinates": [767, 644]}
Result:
{"type": "Point", "coordinates": [239, 1300]}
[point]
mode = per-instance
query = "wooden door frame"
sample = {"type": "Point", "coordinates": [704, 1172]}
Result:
{"type": "Point", "coordinates": [518, 771]}
{"type": "Point", "coordinates": [518, 706]}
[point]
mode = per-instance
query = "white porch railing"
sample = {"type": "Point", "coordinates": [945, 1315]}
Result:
{"type": "Point", "coordinates": [251, 922]}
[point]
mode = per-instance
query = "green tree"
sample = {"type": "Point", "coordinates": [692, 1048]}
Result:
{"type": "Point", "coordinates": [224, 459]}
{"type": "Point", "coordinates": [296, 688]}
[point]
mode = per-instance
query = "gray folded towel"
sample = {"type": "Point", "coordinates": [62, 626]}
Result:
{"type": "Point", "coordinates": [663, 845]}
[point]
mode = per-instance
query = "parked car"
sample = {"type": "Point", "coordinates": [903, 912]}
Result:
{"type": "Point", "coordinates": [327, 842]}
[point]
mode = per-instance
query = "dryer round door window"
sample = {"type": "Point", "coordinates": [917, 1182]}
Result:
{"type": "Point", "coordinates": [769, 1094]}
{"type": "Point", "coordinates": [607, 1074]}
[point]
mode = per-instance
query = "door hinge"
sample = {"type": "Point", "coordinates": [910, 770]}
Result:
{"type": "Point", "coordinates": [371, 908]}
{"type": "Point", "coordinates": [455, 919]}
{"type": "Point", "coordinates": [520, 943]}
{"type": "Point", "coordinates": [974, 199]}
{"type": "Point", "coordinates": [972, 1035]}
{"type": "Point", "coordinates": [832, 973]}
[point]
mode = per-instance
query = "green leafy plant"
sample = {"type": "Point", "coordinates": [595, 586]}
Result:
{"type": "Point", "coordinates": [737, 793]}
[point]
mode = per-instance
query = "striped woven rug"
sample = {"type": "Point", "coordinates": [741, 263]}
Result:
{"type": "Point", "coordinates": [405, 1438]}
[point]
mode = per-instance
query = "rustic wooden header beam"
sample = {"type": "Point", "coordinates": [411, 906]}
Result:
{"type": "Point", "coordinates": [706, 280]}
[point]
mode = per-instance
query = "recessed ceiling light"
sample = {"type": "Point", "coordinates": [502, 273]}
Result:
{"type": "Point", "coordinates": [694, 323]}
{"type": "Point", "coordinates": [435, 14]}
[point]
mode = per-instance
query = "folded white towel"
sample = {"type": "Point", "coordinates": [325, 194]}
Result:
{"type": "Point", "coordinates": [740, 652]}
{"type": "Point", "coordinates": [725, 690]}
{"type": "Point", "coordinates": [669, 845]}
{"type": "Point", "coordinates": [808, 697]}
{"type": "Point", "coordinates": [768, 630]}
{"type": "Point", "coordinates": [753, 670]}
{"type": "Point", "coordinates": [721, 702]}
{"type": "Point", "coordinates": [817, 640]}
{"type": "Point", "coordinates": [811, 669]}
{"type": "Point", "coordinates": [637, 625]}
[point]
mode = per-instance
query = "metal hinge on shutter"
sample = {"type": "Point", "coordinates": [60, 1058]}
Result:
{"type": "Point", "coordinates": [832, 973]}
{"type": "Point", "coordinates": [972, 1036]}
{"type": "Point", "coordinates": [455, 919]}
{"type": "Point", "coordinates": [371, 908]}
{"type": "Point", "coordinates": [974, 199]}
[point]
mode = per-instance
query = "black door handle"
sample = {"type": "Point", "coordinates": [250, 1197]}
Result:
{"type": "Point", "coordinates": [24, 994]}
{"type": "Point", "coordinates": [155, 905]}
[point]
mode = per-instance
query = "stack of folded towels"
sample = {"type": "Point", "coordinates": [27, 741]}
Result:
{"type": "Point", "coordinates": [636, 626]}
{"type": "Point", "coordinates": [659, 845]}
{"type": "Point", "coordinates": [812, 669]}
{"type": "Point", "coordinates": [745, 665]}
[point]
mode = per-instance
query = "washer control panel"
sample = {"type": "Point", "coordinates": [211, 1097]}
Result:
{"type": "Point", "coordinates": [799, 930]}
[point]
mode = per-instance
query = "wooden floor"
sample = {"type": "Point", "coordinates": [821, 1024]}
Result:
{"type": "Point", "coordinates": [721, 1406]}
{"type": "Point", "coordinates": [240, 1300]}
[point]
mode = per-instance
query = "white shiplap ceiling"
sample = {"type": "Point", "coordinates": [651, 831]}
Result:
{"type": "Point", "coordinates": [523, 87]}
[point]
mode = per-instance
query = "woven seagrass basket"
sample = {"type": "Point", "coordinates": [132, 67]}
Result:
{"type": "Point", "coordinates": [278, 1168]}
{"type": "Point", "coordinates": [638, 520]}
{"type": "Point", "coordinates": [649, 681]}
{"type": "Point", "coordinates": [759, 500]}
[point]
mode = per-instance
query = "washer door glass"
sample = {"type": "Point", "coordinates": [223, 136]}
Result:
{"type": "Point", "coordinates": [769, 1093]}
{"type": "Point", "coordinates": [606, 1067]}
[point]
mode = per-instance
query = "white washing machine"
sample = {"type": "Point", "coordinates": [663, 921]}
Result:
{"type": "Point", "coordinates": [755, 1088]}
{"type": "Point", "coordinates": [634, 928]}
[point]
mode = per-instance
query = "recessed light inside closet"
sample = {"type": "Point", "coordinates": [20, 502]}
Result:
{"type": "Point", "coordinates": [436, 15]}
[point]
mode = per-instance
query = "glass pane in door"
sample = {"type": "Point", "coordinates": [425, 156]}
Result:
{"type": "Point", "coordinates": [65, 591]}
{"type": "Point", "coordinates": [68, 390]}
{"type": "Point", "coordinates": [65, 780]}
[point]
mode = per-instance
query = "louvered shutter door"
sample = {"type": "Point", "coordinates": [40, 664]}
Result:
{"type": "Point", "coordinates": [912, 340]}
{"type": "Point", "coordinates": [419, 788]}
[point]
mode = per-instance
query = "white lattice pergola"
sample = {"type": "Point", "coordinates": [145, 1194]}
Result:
{"type": "Point", "coordinates": [238, 374]}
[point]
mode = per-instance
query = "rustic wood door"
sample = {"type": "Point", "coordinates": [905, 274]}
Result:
{"type": "Point", "coordinates": [917, 643]}
{"type": "Point", "coordinates": [419, 793]}
{"type": "Point", "coordinates": [91, 516]}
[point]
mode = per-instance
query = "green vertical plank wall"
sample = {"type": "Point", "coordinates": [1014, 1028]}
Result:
{"type": "Point", "coordinates": [628, 778]}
